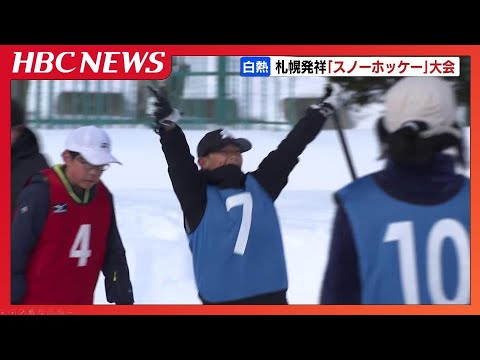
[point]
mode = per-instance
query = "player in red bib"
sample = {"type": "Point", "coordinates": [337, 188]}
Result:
{"type": "Point", "coordinates": [64, 231]}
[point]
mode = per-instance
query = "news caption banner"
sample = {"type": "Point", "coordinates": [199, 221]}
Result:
{"type": "Point", "coordinates": [266, 66]}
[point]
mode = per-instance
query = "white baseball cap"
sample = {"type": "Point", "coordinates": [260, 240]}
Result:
{"type": "Point", "coordinates": [427, 99]}
{"type": "Point", "coordinates": [92, 143]}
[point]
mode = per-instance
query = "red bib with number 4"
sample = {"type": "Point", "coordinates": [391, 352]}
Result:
{"type": "Point", "coordinates": [67, 260]}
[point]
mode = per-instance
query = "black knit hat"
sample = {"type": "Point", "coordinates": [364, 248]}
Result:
{"type": "Point", "coordinates": [17, 113]}
{"type": "Point", "coordinates": [216, 140]}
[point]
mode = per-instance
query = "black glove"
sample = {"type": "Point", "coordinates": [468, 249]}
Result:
{"type": "Point", "coordinates": [162, 110]}
{"type": "Point", "coordinates": [162, 105]}
{"type": "Point", "coordinates": [320, 112]}
{"type": "Point", "coordinates": [118, 290]}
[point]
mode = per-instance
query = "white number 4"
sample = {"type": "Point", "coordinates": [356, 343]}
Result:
{"type": "Point", "coordinates": [81, 245]}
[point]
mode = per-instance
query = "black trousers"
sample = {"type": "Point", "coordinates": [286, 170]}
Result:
{"type": "Point", "coordinates": [275, 298]}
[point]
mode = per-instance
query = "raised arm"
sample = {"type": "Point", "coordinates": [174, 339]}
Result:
{"type": "Point", "coordinates": [273, 171]}
{"type": "Point", "coordinates": [188, 184]}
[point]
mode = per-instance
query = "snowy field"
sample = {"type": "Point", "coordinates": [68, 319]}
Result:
{"type": "Point", "coordinates": [150, 220]}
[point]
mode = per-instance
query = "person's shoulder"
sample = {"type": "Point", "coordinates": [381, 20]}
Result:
{"type": "Point", "coordinates": [358, 182]}
{"type": "Point", "coordinates": [356, 188]}
{"type": "Point", "coordinates": [40, 176]}
{"type": "Point", "coordinates": [37, 187]}
{"type": "Point", "coordinates": [39, 179]}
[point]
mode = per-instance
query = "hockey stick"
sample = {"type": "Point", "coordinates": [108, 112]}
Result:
{"type": "Point", "coordinates": [340, 134]}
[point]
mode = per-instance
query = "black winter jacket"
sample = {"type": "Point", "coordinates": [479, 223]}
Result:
{"type": "Point", "coordinates": [190, 183]}
{"type": "Point", "coordinates": [26, 160]}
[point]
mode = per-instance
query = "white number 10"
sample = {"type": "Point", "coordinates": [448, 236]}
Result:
{"type": "Point", "coordinates": [403, 233]}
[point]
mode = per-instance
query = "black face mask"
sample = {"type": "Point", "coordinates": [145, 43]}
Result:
{"type": "Point", "coordinates": [227, 176]}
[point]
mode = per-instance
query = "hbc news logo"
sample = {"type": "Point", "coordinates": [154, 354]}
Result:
{"type": "Point", "coordinates": [135, 64]}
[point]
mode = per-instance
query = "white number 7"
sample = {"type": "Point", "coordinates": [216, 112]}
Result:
{"type": "Point", "coordinates": [81, 245]}
{"type": "Point", "coordinates": [245, 200]}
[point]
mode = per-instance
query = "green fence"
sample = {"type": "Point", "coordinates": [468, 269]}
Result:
{"type": "Point", "coordinates": [207, 90]}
